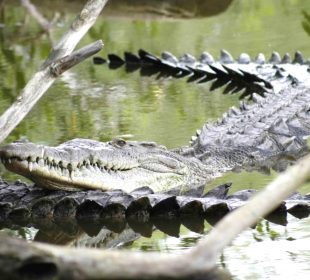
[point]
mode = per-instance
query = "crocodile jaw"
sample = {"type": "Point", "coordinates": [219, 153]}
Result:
{"type": "Point", "coordinates": [92, 177]}
{"type": "Point", "coordinates": [88, 164]}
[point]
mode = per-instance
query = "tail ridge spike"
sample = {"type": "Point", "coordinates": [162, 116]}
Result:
{"type": "Point", "coordinates": [286, 59]}
{"type": "Point", "coordinates": [244, 58]}
{"type": "Point", "coordinates": [298, 58]}
{"type": "Point", "coordinates": [275, 58]}
{"type": "Point", "coordinates": [206, 58]}
{"type": "Point", "coordinates": [260, 59]}
{"type": "Point", "coordinates": [226, 57]}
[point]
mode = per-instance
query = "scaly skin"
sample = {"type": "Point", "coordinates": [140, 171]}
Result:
{"type": "Point", "coordinates": [82, 163]}
{"type": "Point", "coordinates": [257, 136]}
{"type": "Point", "coordinates": [244, 74]}
{"type": "Point", "coordinates": [273, 127]}
{"type": "Point", "coordinates": [263, 135]}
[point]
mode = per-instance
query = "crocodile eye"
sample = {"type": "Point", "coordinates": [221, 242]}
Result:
{"type": "Point", "coordinates": [118, 142]}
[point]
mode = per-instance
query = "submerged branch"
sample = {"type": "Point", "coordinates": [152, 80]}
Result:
{"type": "Point", "coordinates": [17, 256]}
{"type": "Point", "coordinates": [43, 79]}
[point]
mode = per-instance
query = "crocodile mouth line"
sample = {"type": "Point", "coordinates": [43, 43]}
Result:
{"type": "Point", "coordinates": [85, 174]}
{"type": "Point", "coordinates": [98, 166]}
{"type": "Point", "coordinates": [58, 171]}
{"type": "Point", "coordinates": [39, 162]}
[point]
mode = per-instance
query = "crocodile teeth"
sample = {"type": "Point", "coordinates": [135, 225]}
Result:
{"type": "Point", "coordinates": [30, 166]}
{"type": "Point", "coordinates": [65, 172]}
{"type": "Point", "coordinates": [120, 167]}
{"type": "Point", "coordinates": [115, 167]}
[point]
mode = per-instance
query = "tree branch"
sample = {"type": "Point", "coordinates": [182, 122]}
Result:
{"type": "Point", "coordinates": [78, 29]}
{"type": "Point", "coordinates": [67, 62]}
{"type": "Point", "coordinates": [43, 79]}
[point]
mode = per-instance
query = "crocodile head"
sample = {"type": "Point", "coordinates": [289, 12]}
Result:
{"type": "Point", "coordinates": [89, 164]}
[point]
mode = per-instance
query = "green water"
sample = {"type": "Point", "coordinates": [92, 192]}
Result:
{"type": "Point", "coordinates": [91, 101]}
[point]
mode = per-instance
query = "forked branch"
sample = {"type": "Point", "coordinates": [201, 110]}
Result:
{"type": "Point", "coordinates": [43, 79]}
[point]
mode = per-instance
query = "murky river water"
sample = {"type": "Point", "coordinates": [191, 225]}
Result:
{"type": "Point", "coordinates": [91, 101]}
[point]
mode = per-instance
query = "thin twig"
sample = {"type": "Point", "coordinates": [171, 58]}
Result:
{"type": "Point", "coordinates": [44, 23]}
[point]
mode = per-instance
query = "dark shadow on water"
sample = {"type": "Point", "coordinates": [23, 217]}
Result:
{"type": "Point", "coordinates": [64, 231]}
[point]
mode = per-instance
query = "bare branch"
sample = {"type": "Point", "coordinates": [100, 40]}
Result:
{"type": "Point", "coordinates": [43, 79]}
{"type": "Point", "coordinates": [67, 62]}
{"type": "Point", "coordinates": [78, 29]}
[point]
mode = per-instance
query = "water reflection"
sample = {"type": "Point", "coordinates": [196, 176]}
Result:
{"type": "Point", "coordinates": [288, 246]}
{"type": "Point", "coordinates": [70, 231]}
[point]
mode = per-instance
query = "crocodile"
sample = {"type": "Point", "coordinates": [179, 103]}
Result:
{"type": "Point", "coordinates": [269, 132]}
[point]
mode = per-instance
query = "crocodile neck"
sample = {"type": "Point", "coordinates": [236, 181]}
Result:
{"type": "Point", "coordinates": [266, 132]}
